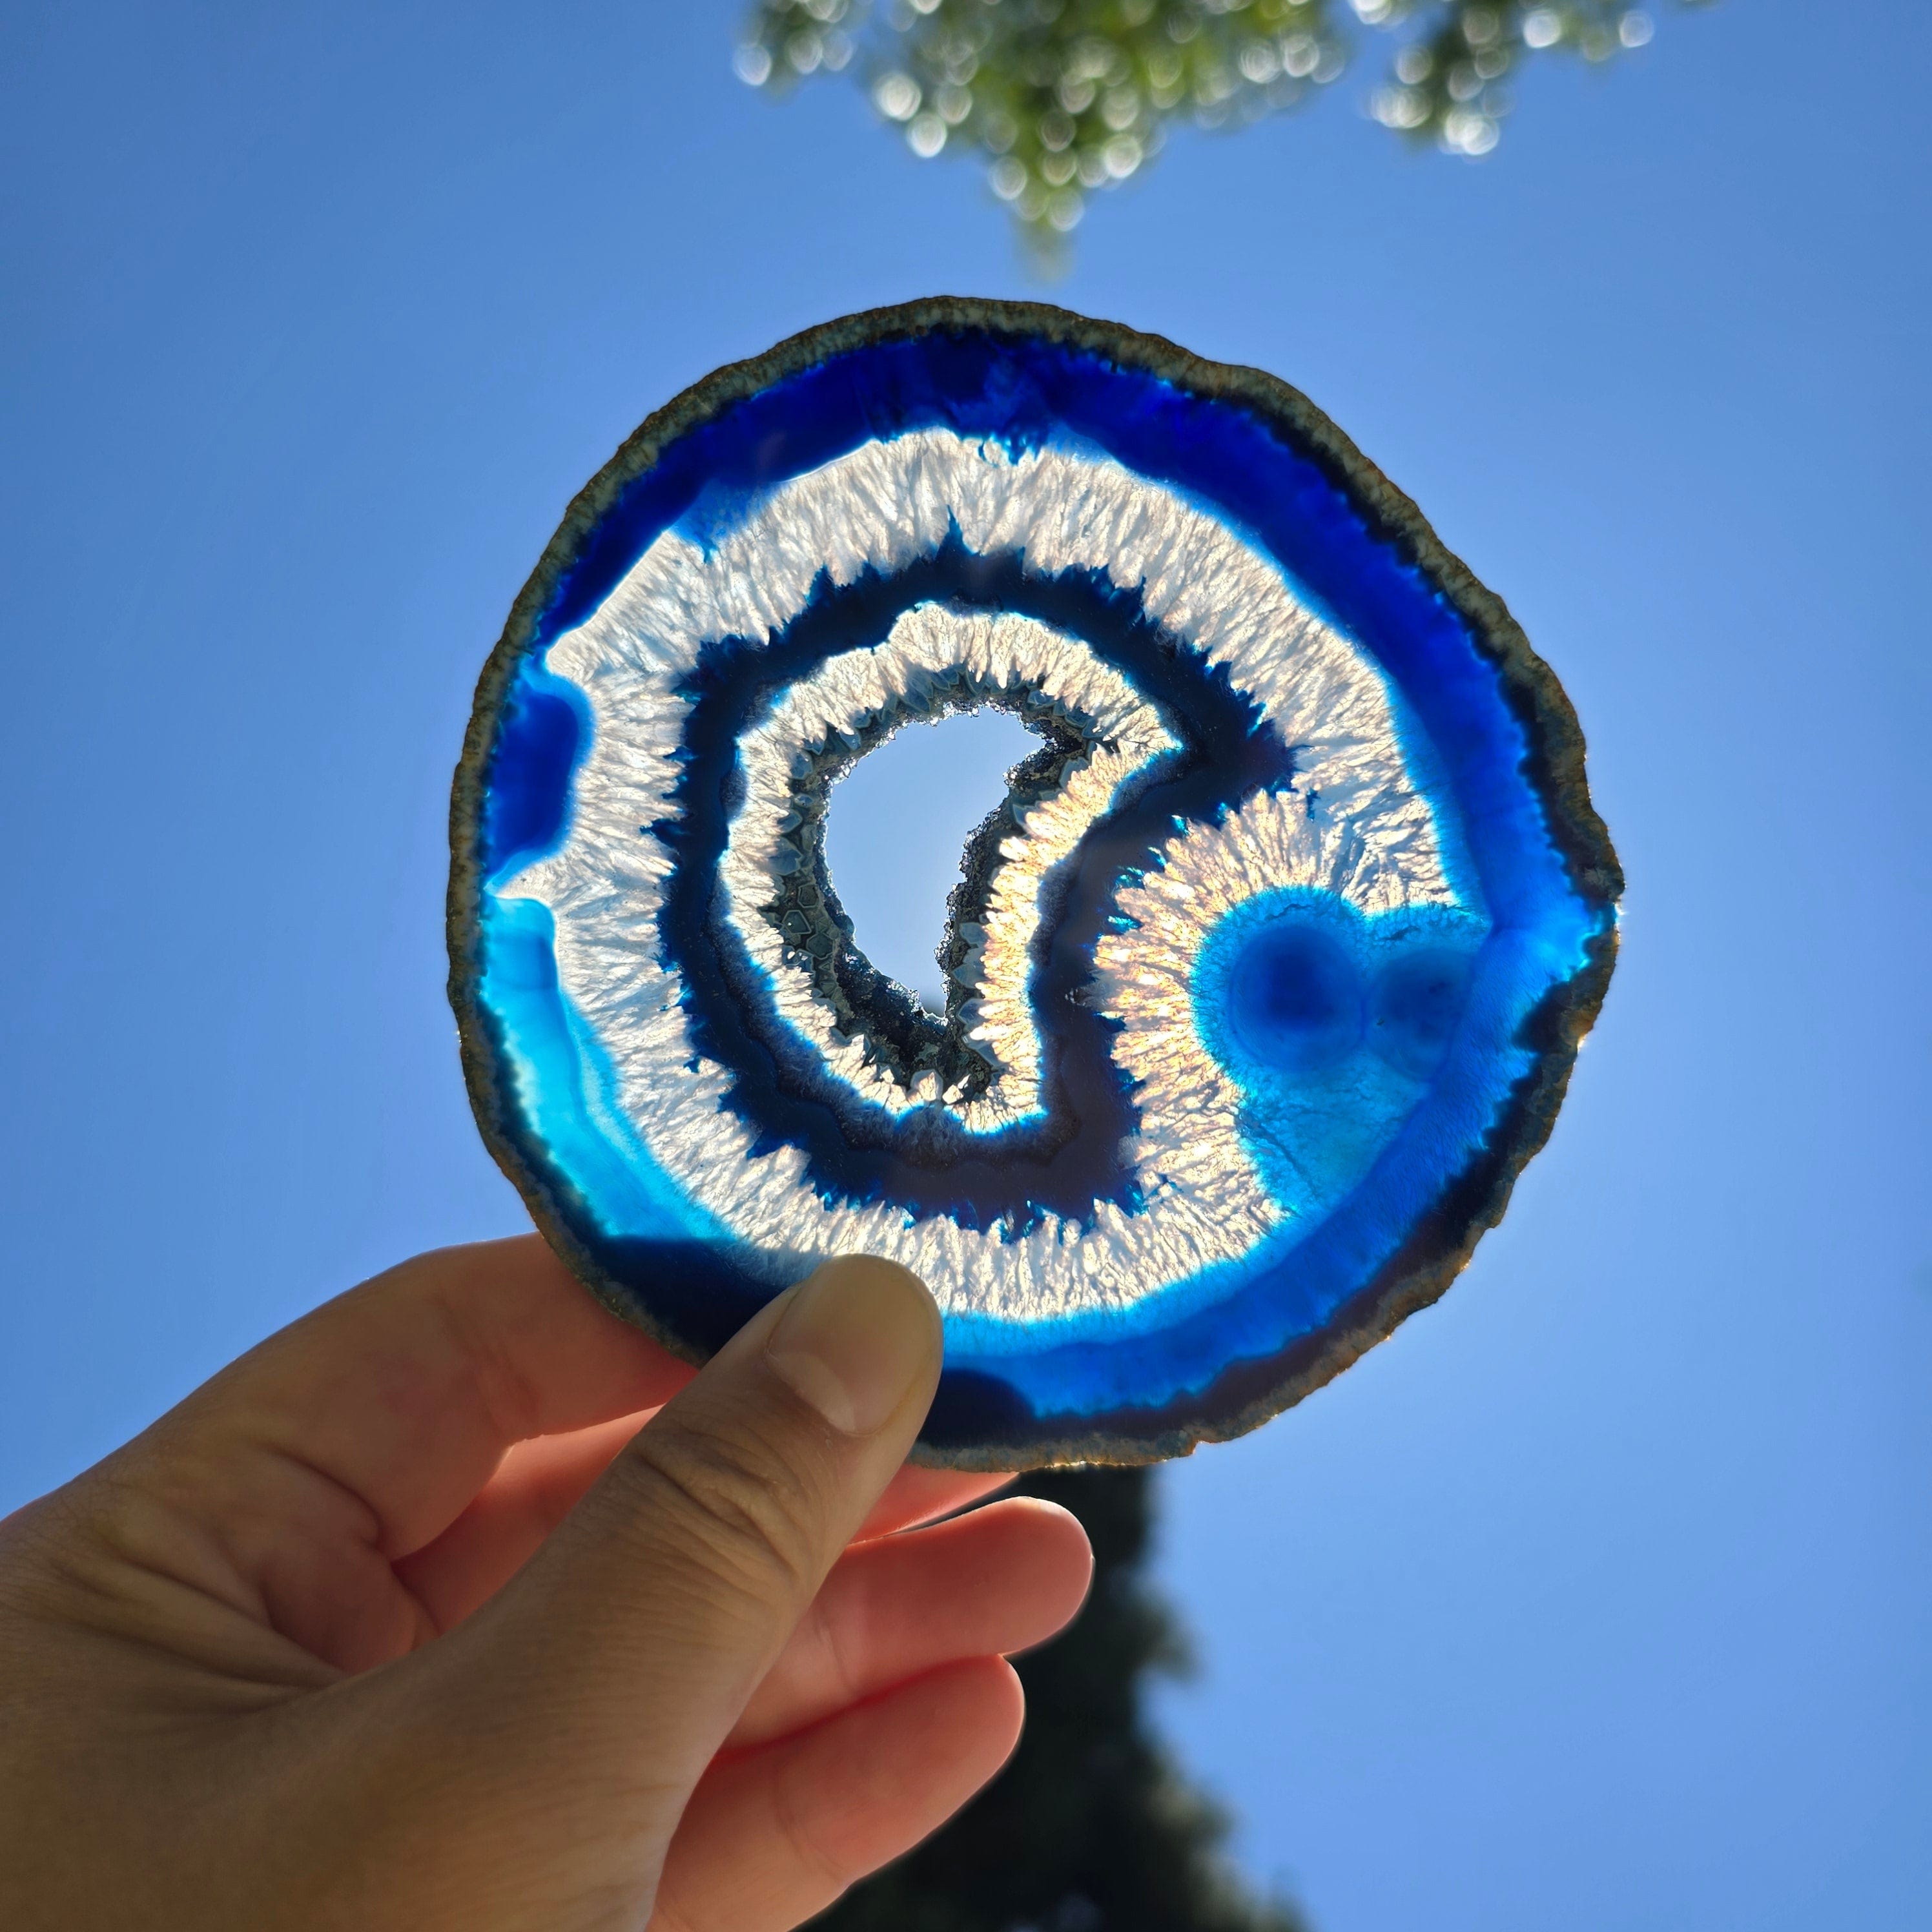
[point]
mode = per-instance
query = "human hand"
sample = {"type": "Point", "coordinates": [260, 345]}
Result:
{"type": "Point", "coordinates": [401, 1622]}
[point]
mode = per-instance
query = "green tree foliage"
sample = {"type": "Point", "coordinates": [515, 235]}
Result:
{"type": "Point", "coordinates": [1059, 99]}
{"type": "Point", "coordinates": [1090, 1828]}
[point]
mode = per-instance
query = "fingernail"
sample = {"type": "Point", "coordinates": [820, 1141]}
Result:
{"type": "Point", "coordinates": [857, 1338]}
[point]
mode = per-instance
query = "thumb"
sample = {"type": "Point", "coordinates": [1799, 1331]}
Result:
{"type": "Point", "coordinates": [600, 1683]}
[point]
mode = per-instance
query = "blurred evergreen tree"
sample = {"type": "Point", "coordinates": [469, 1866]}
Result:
{"type": "Point", "coordinates": [1059, 98]}
{"type": "Point", "coordinates": [1090, 1828]}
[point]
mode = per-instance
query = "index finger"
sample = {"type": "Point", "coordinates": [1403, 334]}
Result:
{"type": "Point", "coordinates": [407, 1391]}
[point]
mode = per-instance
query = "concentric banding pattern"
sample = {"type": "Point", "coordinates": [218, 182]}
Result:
{"type": "Point", "coordinates": [1244, 975]}
{"type": "Point", "coordinates": [937, 658]}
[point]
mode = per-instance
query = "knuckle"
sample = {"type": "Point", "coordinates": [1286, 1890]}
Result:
{"type": "Point", "coordinates": [838, 1638]}
{"type": "Point", "coordinates": [74, 1550]}
{"type": "Point", "coordinates": [511, 1402]}
{"type": "Point", "coordinates": [736, 1504]}
{"type": "Point", "coordinates": [800, 1827]}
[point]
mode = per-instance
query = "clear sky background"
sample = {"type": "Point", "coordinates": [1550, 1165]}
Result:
{"type": "Point", "coordinates": [1599, 1599]}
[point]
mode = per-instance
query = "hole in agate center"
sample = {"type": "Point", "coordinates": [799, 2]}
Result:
{"type": "Point", "coordinates": [1295, 997]}
{"type": "Point", "coordinates": [896, 827]}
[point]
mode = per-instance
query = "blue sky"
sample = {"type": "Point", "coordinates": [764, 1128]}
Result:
{"type": "Point", "coordinates": [1601, 1597]}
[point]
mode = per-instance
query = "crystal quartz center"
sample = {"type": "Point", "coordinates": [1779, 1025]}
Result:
{"type": "Point", "coordinates": [1265, 980]}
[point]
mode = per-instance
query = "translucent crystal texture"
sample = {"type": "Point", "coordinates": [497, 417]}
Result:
{"type": "Point", "coordinates": [1265, 980]}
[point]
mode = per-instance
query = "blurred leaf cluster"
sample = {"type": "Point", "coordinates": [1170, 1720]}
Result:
{"type": "Point", "coordinates": [1059, 99]}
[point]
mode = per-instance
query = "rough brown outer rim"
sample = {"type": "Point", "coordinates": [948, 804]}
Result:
{"type": "Point", "coordinates": [1437, 1249]}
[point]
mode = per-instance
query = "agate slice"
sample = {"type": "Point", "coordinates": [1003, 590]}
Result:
{"type": "Point", "coordinates": [1266, 979]}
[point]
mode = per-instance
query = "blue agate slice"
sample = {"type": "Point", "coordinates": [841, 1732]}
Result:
{"type": "Point", "coordinates": [1265, 979]}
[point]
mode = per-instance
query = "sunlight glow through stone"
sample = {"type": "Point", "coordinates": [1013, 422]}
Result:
{"type": "Point", "coordinates": [1261, 984]}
